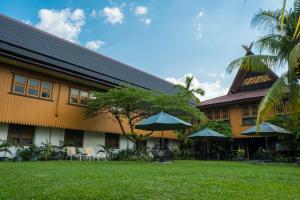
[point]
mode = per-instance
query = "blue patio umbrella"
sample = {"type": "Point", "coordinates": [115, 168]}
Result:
{"type": "Point", "coordinates": [162, 122]}
{"type": "Point", "coordinates": [208, 134]}
{"type": "Point", "coordinates": [267, 130]}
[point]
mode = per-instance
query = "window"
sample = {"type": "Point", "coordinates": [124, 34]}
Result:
{"type": "Point", "coordinates": [283, 108]}
{"type": "Point", "coordinates": [225, 114]}
{"type": "Point", "coordinates": [19, 84]}
{"type": "Point", "coordinates": [217, 114]}
{"type": "Point", "coordinates": [112, 140]}
{"type": "Point", "coordinates": [74, 96]}
{"type": "Point", "coordinates": [74, 137]}
{"type": "Point", "coordinates": [84, 97]}
{"type": "Point", "coordinates": [209, 115]}
{"type": "Point", "coordinates": [221, 114]}
{"type": "Point", "coordinates": [46, 88]}
{"type": "Point", "coordinates": [80, 97]}
{"type": "Point", "coordinates": [21, 134]}
{"type": "Point", "coordinates": [31, 87]}
{"type": "Point", "coordinates": [254, 109]}
{"type": "Point", "coordinates": [249, 113]}
{"type": "Point", "coordinates": [246, 111]}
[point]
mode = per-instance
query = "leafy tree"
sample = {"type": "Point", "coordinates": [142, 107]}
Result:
{"type": "Point", "coordinates": [218, 126]}
{"type": "Point", "coordinates": [188, 91]}
{"type": "Point", "coordinates": [281, 41]}
{"type": "Point", "coordinates": [291, 123]}
{"type": "Point", "coordinates": [129, 105]}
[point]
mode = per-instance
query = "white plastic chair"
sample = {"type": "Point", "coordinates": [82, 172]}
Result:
{"type": "Point", "coordinates": [91, 155]}
{"type": "Point", "coordinates": [71, 152]}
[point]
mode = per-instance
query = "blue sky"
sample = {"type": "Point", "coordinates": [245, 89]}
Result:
{"type": "Point", "coordinates": [167, 38]}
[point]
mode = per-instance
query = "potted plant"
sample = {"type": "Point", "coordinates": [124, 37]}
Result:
{"type": "Point", "coordinates": [240, 154]}
{"type": "Point", "coordinates": [18, 156]}
{"type": "Point", "coordinates": [34, 152]}
{"type": "Point", "coordinates": [4, 148]}
{"type": "Point", "coordinates": [46, 149]}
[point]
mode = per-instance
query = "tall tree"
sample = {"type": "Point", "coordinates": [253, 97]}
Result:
{"type": "Point", "coordinates": [281, 41]}
{"type": "Point", "coordinates": [188, 90]}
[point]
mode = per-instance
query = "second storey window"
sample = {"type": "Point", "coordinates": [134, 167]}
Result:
{"type": "Point", "coordinates": [220, 114]}
{"type": "Point", "coordinates": [32, 87]}
{"type": "Point", "coordinates": [46, 89]}
{"type": "Point", "coordinates": [283, 109]}
{"type": "Point", "coordinates": [19, 84]}
{"type": "Point", "coordinates": [80, 97]}
{"type": "Point", "coordinates": [249, 113]}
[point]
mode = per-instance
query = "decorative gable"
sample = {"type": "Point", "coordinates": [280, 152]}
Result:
{"type": "Point", "coordinates": [249, 81]}
{"type": "Point", "coordinates": [256, 80]}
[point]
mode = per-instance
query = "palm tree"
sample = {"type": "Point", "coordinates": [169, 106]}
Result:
{"type": "Point", "coordinates": [188, 90]}
{"type": "Point", "coordinates": [282, 42]}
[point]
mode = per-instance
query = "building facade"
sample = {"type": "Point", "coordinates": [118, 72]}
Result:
{"type": "Point", "coordinates": [45, 85]}
{"type": "Point", "coordinates": [240, 106]}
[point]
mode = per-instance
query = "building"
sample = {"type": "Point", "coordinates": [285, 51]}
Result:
{"type": "Point", "coordinates": [239, 107]}
{"type": "Point", "coordinates": [45, 87]}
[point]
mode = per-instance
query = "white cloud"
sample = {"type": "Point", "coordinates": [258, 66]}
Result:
{"type": "Point", "coordinates": [63, 23]}
{"type": "Point", "coordinates": [200, 14]}
{"type": "Point", "coordinates": [212, 89]}
{"type": "Point", "coordinates": [199, 31]}
{"type": "Point", "coordinates": [146, 21]}
{"type": "Point", "coordinates": [27, 22]}
{"type": "Point", "coordinates": [94, 45]}
{"type": "Point", "coordinates": [199, 26]}
{"type": "Point", "coordinates": [94, 14]}
{"type": "Point", "coordinates": [141, 10]}
{"type": "Point", "coordinates": [113, 15]}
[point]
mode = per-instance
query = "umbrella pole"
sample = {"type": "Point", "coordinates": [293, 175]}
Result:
{"type": "Point", "coordinates": [162, 140]}
{"type": "Point", "coordinates": [267, 144]}
{"type": "Point", "coordinates": [207, 150]}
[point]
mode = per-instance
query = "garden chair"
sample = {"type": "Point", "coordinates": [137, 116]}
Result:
{"type": "Point", "coordinates": [91, 155]}
{"type": "Point", "coordinates": [71, 152]}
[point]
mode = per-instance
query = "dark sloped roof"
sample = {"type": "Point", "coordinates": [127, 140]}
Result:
{"type": "Point", "coordinates": [235, 97]}
{"type": "Point", "coordinates": [24, 41]}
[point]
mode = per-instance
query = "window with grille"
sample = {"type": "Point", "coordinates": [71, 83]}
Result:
{"type": "Point", "coordinates": [21, 134]}
{"type": "Point", "coordinates": [74, 138]}
{"type": "Point", "coordinates": [112, 140]}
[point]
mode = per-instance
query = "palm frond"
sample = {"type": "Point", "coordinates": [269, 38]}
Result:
{"type": "Point", "coordinates": [294, 56]}
{"type": "Point", "coordinates": [297, 7]}
{"type": "Point", "coordinates": [255, 63]}
{"type": "Point", "coordinates": [270, 43]}
{"type": "Point", "coordinates": [297, 29]}
{"type": "Point", "coordinates": [274, 97]}
{"type": "Point", "coordinates": [282, 15]}
{"type": "Point", "coordinates": [188, 82]}
{"type": "Point", "coordinates": [199, 91]}
{"type": "Point", "coordinates": [294, 62]}
{"type": "Point", "coordinates": [267, 21]}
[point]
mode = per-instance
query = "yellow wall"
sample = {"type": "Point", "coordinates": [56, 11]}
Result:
{"type": "Point", "coordinates": [236, 119]}
{"type": "Point", "coordinates": [55, 113]}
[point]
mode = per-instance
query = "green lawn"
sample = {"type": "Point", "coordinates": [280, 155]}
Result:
{"type": "Point", "coordinates": [148, 180]}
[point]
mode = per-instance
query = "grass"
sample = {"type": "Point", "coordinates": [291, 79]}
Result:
{"type": "Point", "coordinates": [147, 180]}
